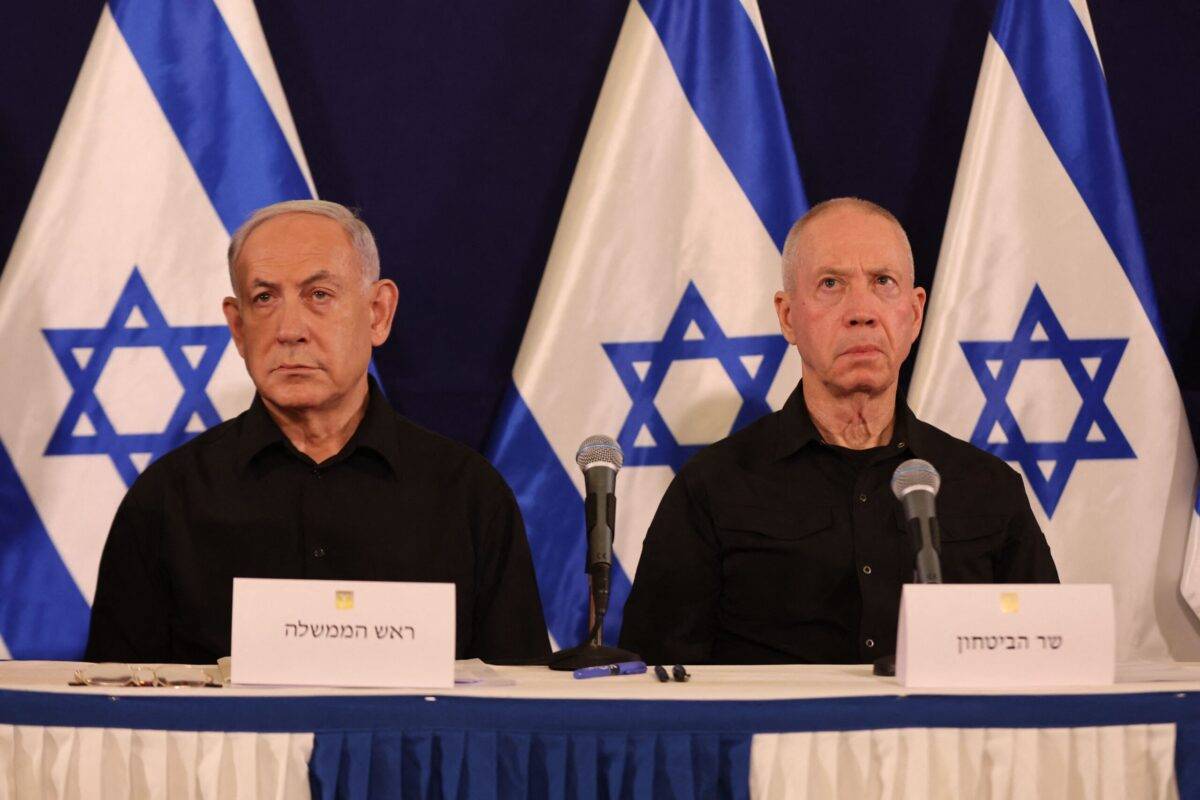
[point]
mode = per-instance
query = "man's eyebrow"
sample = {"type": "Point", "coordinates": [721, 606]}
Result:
{"type": "Point", "coordinates": [901, 271]}
{"type": "Point", "coordinates": [320, 275]}
{"type": "Point", "coordinates": [876, 269]}
{"type": "Point", "coordinates": [833, 269]}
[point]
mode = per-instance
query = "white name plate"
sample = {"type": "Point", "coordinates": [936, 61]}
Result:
{"type": "Point", "coordinates": [985, 636]}
{"type": "Point", "coordinates": [342, 633]}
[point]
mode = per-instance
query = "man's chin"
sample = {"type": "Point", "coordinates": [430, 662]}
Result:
{"type": "Point", "coordinates": [864, 381]}
{"type": "Point", "coordinates": [296, 392]}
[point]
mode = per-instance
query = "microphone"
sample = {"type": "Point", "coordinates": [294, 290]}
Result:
{"type": "Point", "coordinates": [915, 484]}
{"type": "Point", "coordinates": [600, 458]}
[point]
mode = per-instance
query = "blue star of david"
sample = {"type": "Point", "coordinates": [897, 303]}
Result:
{"type": "Point", "coordinates": [1093, 413]}
{"type": "Point", "coordinates": [100, 343]}
{"type": "Point", "coordinates": [658, 356]}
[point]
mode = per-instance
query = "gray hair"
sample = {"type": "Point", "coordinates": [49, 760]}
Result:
{"type": "Point", "coordinates": [792, 244]}
{"type": "Point", "coordinates": [358, 232]}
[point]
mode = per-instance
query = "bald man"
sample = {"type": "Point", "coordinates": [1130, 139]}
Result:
{"type": "Point", "coordinates": [783, 542]}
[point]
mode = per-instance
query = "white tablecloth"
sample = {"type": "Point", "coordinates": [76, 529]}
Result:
{"type": "Point", "coordinates": [104, 763]}
{"type": "Point", "coordinates": [1112, 762]}
{"type": "Point", "coordinates": [1117, 761]}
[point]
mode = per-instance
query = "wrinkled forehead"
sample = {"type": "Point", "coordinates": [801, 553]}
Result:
{"type": "Point", "coordinates": [297, 242]}
{"type": "Point", "coordinates": [852, 237]}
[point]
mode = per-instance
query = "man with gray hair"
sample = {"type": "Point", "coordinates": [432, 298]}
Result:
{"type": "Point", "coordinates": [783, 542]}
{"type": "Point", "coordinates": [319, 478]}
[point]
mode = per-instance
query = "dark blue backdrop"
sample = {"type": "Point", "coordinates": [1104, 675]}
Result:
{"type": "Point", "coordinates": [455, 128]}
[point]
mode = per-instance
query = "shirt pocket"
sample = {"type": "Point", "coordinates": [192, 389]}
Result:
{"type": "Point", "coordinates": [972, 545]}
{"type": "Point", "coordinates": [774, 524]}
{"type": "Point", "coordinates": [775, 561]}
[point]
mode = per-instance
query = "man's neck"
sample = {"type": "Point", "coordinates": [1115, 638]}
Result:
{"type": "Point", "coordinates": [858, 420]}
{"type": "Point", "coordinates": [322, 433]}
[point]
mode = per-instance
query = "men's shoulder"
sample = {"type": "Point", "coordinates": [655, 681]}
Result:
{"type": "Point", "coordinates": [739, 451]}
{"type": "Point", "coordinates": [439, 457]}
{"type": "Point", "coordinates": [204, 448]}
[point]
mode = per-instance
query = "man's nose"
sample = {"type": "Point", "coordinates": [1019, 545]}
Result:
{"type": "Point", "coordinates": [861, 308]}
{"type": "Point", "coordinates": [292, 325]}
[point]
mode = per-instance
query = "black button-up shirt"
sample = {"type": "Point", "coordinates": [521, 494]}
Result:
{"type": "Point", "coordinates": [398, 503]}
{"type": "Point", "coordinates": [771, 546]}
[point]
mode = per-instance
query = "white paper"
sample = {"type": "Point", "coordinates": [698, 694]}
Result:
{"type": "Point", "coordinates": [342, 633]}
{"type": "Point", "coordinates": [473, 672]}
{"type": "Point", "coordinates": [1156, 671]}
{"type": "Point", "coordinates": [1005, 635]}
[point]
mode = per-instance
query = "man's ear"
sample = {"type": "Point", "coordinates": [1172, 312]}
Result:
{"type": "Point", "coordinates": [233, 318]}
{"type": "Point", "coordinates": [783, 310]}
{"type": "Point", "coordinates": [918, 311]}
{"type": "Point", "coordinates": [384, 295]}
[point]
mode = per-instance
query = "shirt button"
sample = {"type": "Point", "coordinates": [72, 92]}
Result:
{"type": "Point", "coordinates": [862, 498]}
{"type": "Point", "coordinates": [869, 643]}
{"type": "Point", "coordinates": [899, 445]}
{"type": "Point", "coordinates": [319, 552]}
{"type": "Point", "coordinates": [866, 569]}
{"type": "Point", "coordinates": [316, 472]}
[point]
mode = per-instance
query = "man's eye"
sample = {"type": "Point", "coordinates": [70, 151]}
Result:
{"type": "Point", "coordinates": [829, 283]}
{"type": "Point", "coordinates": [262, 297]}
{"type": "Point", "coordinates": [320, 294]}
{"type": "Point", "coordinates": [885, 279]}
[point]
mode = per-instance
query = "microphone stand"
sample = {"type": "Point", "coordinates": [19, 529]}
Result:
{"type": "Point", "coordinates": [593, 652]}
{"type": "Point", "coordinates": [599, 457]}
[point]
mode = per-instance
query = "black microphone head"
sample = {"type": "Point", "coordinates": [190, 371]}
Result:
{"type": "Point", "coordinates": [915, 474]}
{"type": "Point", "coordinates": [599, 451]}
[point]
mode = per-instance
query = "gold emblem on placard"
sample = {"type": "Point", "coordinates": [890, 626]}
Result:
{"type": "Point", "coordinates": [343, 601]}
{"type": "Point", "coordinates": [1010, 602]}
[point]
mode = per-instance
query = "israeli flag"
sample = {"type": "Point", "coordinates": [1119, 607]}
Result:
{"type": "Point", "coordinates": [1043, 342]}
{"type": "Point", "coordinates": [115, 347]}
{"type": "Point", "coordinates": [654, 321]}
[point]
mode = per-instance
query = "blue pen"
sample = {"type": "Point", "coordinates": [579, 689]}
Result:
{"type": "Point", "coordinates": [626, 668]}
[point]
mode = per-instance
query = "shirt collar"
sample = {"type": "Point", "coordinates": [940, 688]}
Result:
{"type": "Point", "coordinates": [796, 428]}
{"type": "Point", "coordinates": [376, 432]}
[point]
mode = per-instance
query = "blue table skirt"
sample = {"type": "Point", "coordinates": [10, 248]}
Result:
{"type": "Point", "coordinates": [391, 746]}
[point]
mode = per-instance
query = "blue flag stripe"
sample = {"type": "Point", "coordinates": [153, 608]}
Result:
{"type": "Point", "coordinates": [724, 71]}
{"type": "Point", "coordinates": [1058, 71]}
{"type": "Point", "coordinates": [553, 513]}
{"type": "Point", "coordinates": [42, 612]}
{"type": "Point", "coordinates": [213, 103]}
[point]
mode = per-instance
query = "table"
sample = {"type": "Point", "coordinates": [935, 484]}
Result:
{"type": "Point", "coordinates": [791, 731]}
